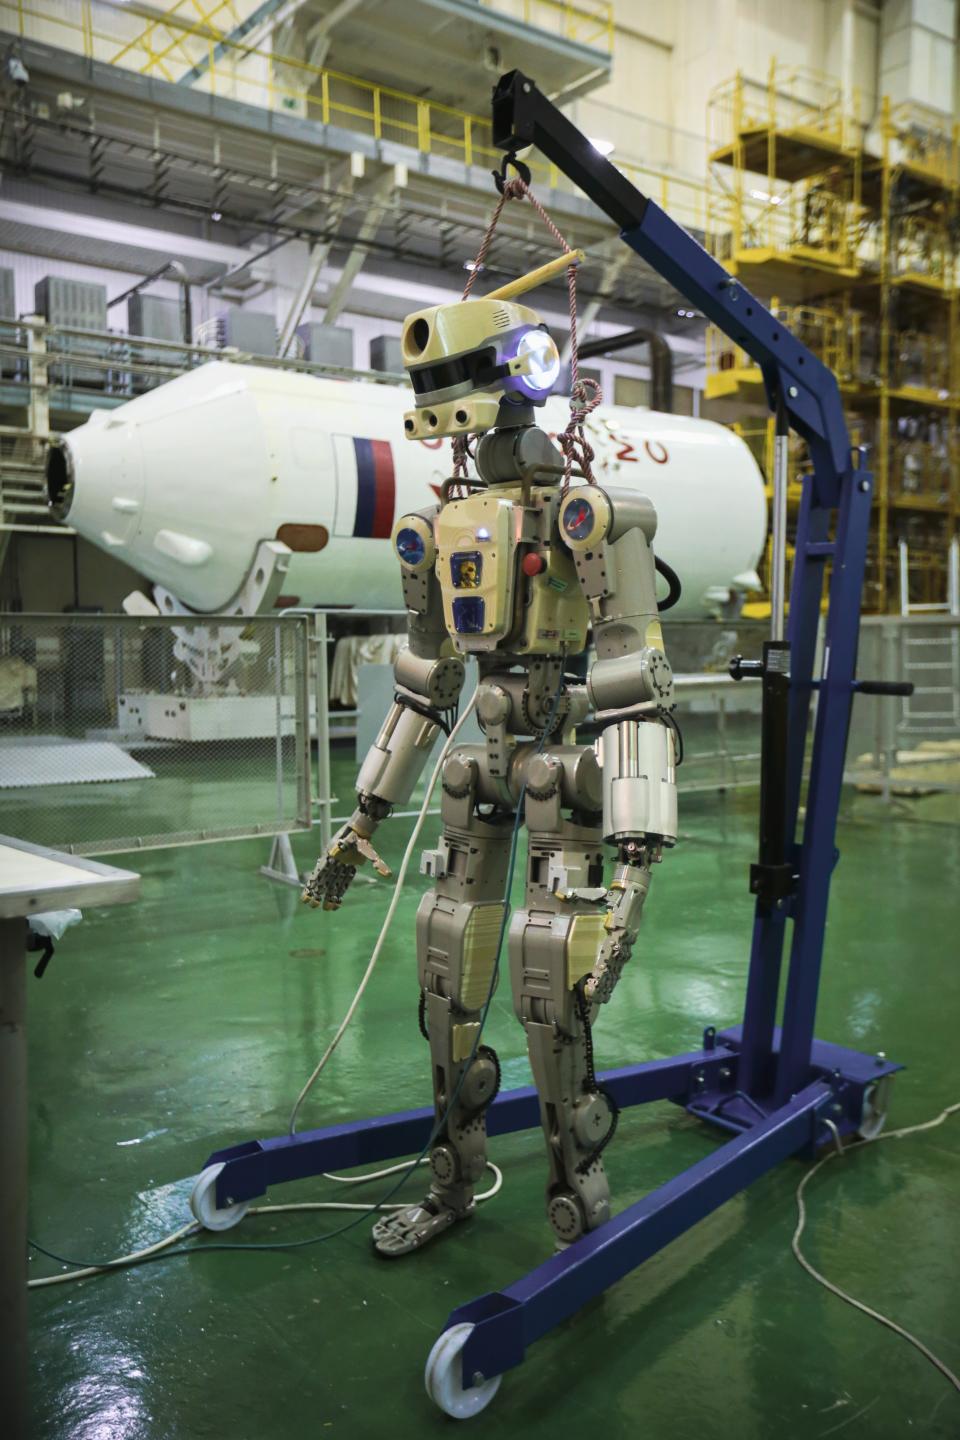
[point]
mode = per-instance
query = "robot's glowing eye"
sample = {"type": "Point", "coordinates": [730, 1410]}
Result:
{"type": "Point", "coordinates": [578, 519]}
{"type": "Point", "coordinates": [410, 546]}
{"type": "Point", "coordinates": [544, 359]}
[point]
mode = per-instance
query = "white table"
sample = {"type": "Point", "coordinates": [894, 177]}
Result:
{"type": "Point", "coordinates": [32, 880]}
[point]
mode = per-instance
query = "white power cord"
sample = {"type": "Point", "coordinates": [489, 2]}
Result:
{"type": "Point", "coordinates": [388, 919]}
{"type": "Point", "coordinates": [835, 1289]}
{"type": "Point", "coordinates": [137, 1257]}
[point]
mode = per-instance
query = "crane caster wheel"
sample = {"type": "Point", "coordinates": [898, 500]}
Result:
{"type": "Point", "coordinates": [203, 1202]}
{"type": "Point", "coordinates": [443, 1378]}
{"type": "Point", "coordinates": [876, 1102]}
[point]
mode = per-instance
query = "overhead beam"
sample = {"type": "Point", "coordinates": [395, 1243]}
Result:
{"type": "Point", "coordinates": [244, 31]}
{"type": "Point", "coordinates": [380, 195]}
{"type": "Point", "coordinates": [320, 35]}
{"type": "Point", "coordinates": [318, 252]}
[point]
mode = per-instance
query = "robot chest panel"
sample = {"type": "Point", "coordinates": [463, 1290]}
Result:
{"type": "Point", "coordinates": [494, 596]}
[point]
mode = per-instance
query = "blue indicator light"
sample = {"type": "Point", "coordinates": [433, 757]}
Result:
{"type": "Point", "coordinates": [468, 615]}
{"type": "Point", "coordinates": [410, 546]}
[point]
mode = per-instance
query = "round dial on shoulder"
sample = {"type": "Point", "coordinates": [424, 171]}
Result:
{"type": "Point", "coordinates": [414, 543]}
{"type": "Point", "coordinates": [584, 517]}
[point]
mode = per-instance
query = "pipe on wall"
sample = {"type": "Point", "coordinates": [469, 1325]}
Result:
{"type": "Point", "coordinates": [661, 361]}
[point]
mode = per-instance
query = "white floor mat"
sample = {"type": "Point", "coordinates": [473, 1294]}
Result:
{"type": "Point", "coordinates": [66, 762]}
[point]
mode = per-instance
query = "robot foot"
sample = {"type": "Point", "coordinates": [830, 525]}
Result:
{"type": "Point", "coordinates": [410, 1229]}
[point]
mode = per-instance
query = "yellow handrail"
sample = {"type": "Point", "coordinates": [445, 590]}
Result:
{"type": "Point", "coordinates": [178, 43]}
{"type": "Point", "coordinates": [589, 22]}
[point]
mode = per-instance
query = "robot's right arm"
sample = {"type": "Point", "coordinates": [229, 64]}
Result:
{"type": "Point", "coordinates": [428, 682]}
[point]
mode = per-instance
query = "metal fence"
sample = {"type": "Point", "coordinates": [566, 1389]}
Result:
{"type": "Point", "coordinates": [719, 718]}
{"type": "Point", "coordinates": [908, 747]}
{"type": "Point", "coordinates": [121, 732]}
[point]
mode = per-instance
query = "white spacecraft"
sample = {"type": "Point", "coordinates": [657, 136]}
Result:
{"type": "Point", "coordinates": [237, 489]}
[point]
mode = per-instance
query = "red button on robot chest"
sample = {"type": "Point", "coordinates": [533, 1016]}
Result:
{"type": "Point", "coordinates": [533, 564]}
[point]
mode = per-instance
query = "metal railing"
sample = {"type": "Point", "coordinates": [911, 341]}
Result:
{"type": "Point", "coordinates": [123, 732]}
{"type": "Point", "coordinates": [908, 747]}
{"type": "Point", "coordinates": [588, 22]}
{"type": "Point", "coordinates": [232, 68]}
{"type": "Point", "coordinates": [795, 101]}
{"type": "Point", "coordinates": [720, 719]}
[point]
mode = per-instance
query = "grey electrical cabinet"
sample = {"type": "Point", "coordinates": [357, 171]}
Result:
{"type": "Point", "coordinates": [79, 305]}
{"type": "Point", "coordinates": [385, 354]}
{"type": "Point", "coordinates": [8, 311]}
{"type": "Point", "coordinates": [250, 331]}
{"type": "Point", "coordinates": [247, 330]}
{"type": "Point", "coordinates": [8, 298]}
{"type": "Point", "coordinates": [327, 344]}
{"type": "Point", "coordinates": [158, 319]}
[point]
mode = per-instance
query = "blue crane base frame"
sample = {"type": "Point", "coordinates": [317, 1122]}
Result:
{"type": "Point", "coordinates": [778, 1091]}
{"type": "Point", "coordinates": [706, 1082]}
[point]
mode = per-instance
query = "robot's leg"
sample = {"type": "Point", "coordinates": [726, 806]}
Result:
{"type": "Point", "coordinates": [458, 927]}
{"type": "Point", "coordinates": [553, 943]}
{"type": "Point", "coordinates": [576, 1116]}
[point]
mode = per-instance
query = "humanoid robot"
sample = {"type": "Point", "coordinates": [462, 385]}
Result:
{"type": "Point", "coordinates": [515, 570]}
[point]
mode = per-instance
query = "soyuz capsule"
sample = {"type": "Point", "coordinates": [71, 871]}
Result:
{"type": "Point", "coordinates": [231, 471]}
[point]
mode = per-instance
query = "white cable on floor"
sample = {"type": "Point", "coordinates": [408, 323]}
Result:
{"type": "Point", "coordinates": [139, 1255]}
{"type": "Point", "coordinates": [835, 1289]}
{"type": "Point", "coordinates": [388, 919]}
{"type": "Point", "coordinates": [132, 1259]}
{"type": "Point", "coordinates": [136, 1257]}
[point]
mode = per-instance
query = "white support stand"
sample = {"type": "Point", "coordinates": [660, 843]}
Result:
{"type": "Point", "coordinates": [281, 866]}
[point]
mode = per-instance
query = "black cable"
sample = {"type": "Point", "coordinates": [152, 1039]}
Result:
{"type": "Point", "coordinates": [591, 1085]}
{"type": "Point", "coordinates": [671, 720]}
{"type": "Point", "coordinates": [427, 711]}
{"type": "Point", "coordinates": [675, 589]}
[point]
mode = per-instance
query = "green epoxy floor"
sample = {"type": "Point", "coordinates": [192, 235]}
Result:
{"type": "Point", "coordinates": [188, 1022]}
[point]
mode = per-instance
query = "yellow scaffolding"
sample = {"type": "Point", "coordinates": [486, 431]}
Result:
{"type": "Point", "coordinates": [860, 250]}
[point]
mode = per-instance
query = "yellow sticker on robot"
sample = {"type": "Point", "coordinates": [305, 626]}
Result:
{"type": "Point", "coordinates": [466, 569]}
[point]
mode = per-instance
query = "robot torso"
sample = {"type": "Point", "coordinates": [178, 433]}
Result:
{"type": "Point", "coordinates": [507, 579]}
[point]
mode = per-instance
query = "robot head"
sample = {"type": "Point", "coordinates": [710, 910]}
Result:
{"type": "Point", "coordinates": [463, 359]}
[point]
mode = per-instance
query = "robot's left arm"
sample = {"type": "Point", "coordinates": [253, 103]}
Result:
{"type": "Point", "coordinates": [630, 687]}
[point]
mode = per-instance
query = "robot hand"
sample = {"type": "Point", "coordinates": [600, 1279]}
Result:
{"type": "Point", "coordinates": [333, 872]}
{"type": "Point", "coordinates": [628, 891]}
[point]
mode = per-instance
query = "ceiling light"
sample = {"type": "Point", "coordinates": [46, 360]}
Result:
{"type": "Point", "coordinates": [765, 196]}
{"type": "Point", "coordinates": [605, 147]}
{"type": "Point", "coordinates": [216, 214]}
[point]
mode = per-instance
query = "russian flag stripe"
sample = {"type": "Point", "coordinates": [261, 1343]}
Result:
{"type": "Point", "coordinates": [376, 489]}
